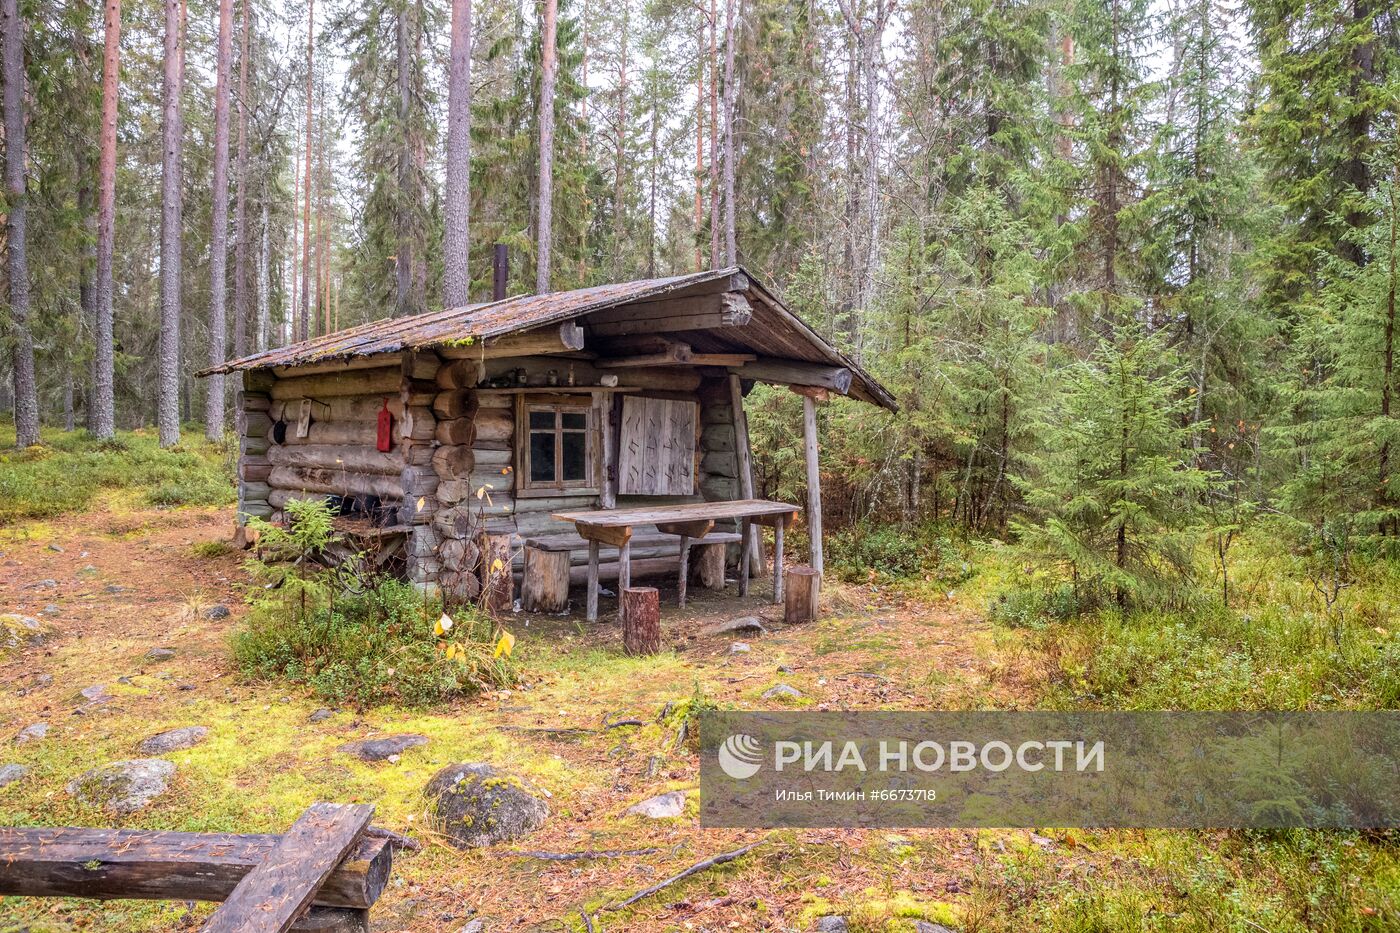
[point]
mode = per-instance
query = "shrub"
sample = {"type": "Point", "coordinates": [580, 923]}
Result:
{"type": "Point", "coordinates": [895, 552]}
{"type": "Point", "coordinates": [379, 646]}
{"type": "Point", "coordinates": [1034, 608]}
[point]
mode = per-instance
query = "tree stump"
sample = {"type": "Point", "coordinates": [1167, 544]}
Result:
{"type": "Point", "coordinates": [802, 584]}
{"type": "Point", "coordinates": [545, 586]}
{"type": "Point", "coordinates": [497, 583]}
{"type": "Point", "coordinates": [641, 620]}
{"type": "Point", "coordinates": [707, 564]}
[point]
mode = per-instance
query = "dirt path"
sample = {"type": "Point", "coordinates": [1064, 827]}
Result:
{"type": "Point", "coordinates": [127, 582]}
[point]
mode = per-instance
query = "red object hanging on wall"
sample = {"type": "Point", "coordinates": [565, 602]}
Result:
{"type": "Point", "coordinates": [384, 438]}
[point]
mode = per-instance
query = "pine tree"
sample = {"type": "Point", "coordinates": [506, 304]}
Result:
{"type": "Point", "coordinates": [22, 340]}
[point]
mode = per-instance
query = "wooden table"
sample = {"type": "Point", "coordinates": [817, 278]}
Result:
{"type": "Point", "coordinates": [613, 527]}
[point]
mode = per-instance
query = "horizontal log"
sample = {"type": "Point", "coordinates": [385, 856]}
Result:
{"type": "Point", "coordinates": [258, 380]}
{"type": "Point", "coordinates": [335, 482]}
{"type": "Point", "coordinates": [342, 407]}
{"type": "Point", "coordinates": [154, 865]}
{"type": "Point", "coordinates": [419, 481]}
{"type": "Point", "coordinates": [417, 453]}
{"type": "Point", "coordinates": [453, 461]}
{"type": "Point", "coordinates": [454, 403]}
{"type": "Point", "coordinates": [460, 374]}
{"type": "Point", "coordinates": [493, 458]}
{"type": "Point", "coordinates": [496, 483]}
{"type": "Point", "coordinates": [254, 468]}
{"type": "Point", "coordinates": [345, 433]}
{"type": "Point", "coordinates": [256, 424]}
{"type": "Point", "coordinates": [716, 414]}
{"type": "Point", "coordinates": [556, 338]}
{"type": "Point", "coordinates": [359, 382]}
{"type": "Point", "coordinates": [495, 424]}
{"type": "Point", "coordinates": [793, 372]}
{"type": "Point", "coordinates": [348, 364]}
{"type": "Point", "coordinates": [253, 401]}
{"type": "Point", "coordinates": [420, 365]}
{"type": "Point", "coordinates": [253, 445]}
{"type": "Point", "coordinates": [357, 458]}
{"type": "Point", "coordinates": [717, 488]}
{"type": "Point", "coordinates": [255, 508]}
{"type": "Point", "coordinates": [253, 491]}
{"type": "Point", "coordinates": [717, 437]}
{"type": "Point", "coordinates": [640, 567]}
{"type": "Point", "coordinates": [458, 432]}
{"type": "Point", "coordinates": [418, 424]}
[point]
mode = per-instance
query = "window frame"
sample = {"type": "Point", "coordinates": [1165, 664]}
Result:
{"type": "Point", "coordinates": [526, 487]}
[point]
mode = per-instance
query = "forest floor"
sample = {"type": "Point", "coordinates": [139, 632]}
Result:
{"type": "Point", "coordinates": [119, 579]}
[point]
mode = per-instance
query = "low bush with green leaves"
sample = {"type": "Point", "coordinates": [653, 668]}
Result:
{"type": "Point", "coordinates": [359, 639]}
{"type": "Point", "coordinates": [71, 468]}
{"type": "Point", "coordinates": [891, 552]}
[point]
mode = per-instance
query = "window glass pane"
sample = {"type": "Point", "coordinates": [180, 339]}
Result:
{"type": "Point", "coordinates": [542, 457]}
{"type": "Point", "coordinates": [575, 456]}
{"type": "Point", "coordinates": [541, 419]}
{"type": "Point", "coordinates": [575, 420]}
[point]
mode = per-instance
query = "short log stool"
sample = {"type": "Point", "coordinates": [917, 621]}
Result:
{"type": "Point", "coordinates": [641, 620]}
{"type": "Point", "coordinates": [800, 594]}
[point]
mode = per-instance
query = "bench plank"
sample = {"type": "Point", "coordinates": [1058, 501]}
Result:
{"type": "Point", "coordinates": [160, 865]}
{"type": "Point", "coordinates": [273, 895]}
{"type": "Point", "coordinates": [567, 542]}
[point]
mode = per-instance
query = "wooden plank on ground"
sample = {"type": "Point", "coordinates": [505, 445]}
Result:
{"type": "Point", "coordinates": [159, 865]}
{"type": "Point", "coordinates": [277, 892]}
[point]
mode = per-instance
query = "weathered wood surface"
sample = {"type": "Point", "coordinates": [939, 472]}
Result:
{"type": "Point", "coordinates": [332, 920]}
{"type": "Point", "coordinates": [453, 460]}
{"type": "Point", "coordinates": [700, 312]}
{"type": "Point", "coordinates": [340, 482]}
{"type": "Point", "coordinates": [360, 458]}
{"type": "Point", "coordinates": [707, 563]}
{"type": "Point", "coordinates": [803, 586]}
{"type": "Point", "coordinates": [155, 865]}
{"type": "Point", "coordinates": [657, 449]}
{"type": "Point", "coordinates": [814, 481]}
{"type": "Point", "coordinates": [792, 372]}
{"type": "Point", "coordinates": [362, 382]}
{"type": "Point", "coordinates": [641, 620]}
{"type": "Point", "coordinates": [455, 403]}
{"type": "Point", "coordinates": [690, 511]}
{"type": "Point", "coordinates": [460, 374]}
{"type": "Point", "coordinates": [497, 581]}
{"type": "Point", "coordinates": [272, 896]}
{"type": "Point", "coordinates": [544, 585]}
{"type": "Point", "coordinates": [568, 542]}
{"type": "Point", "coordinates": [347, 433]}
{"type": "Point", "coordinates": [743, 453]}
{"type": "Point", "coordinates": [556, 338]}
{"type": "Point", "coordinates": [457, 432]}
{"type": "Point", "coordinates": [375, 361]}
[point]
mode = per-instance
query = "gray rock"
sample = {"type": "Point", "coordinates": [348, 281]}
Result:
{"type": "Point", "coordinates": [923, 926]}
{"type": "Point", "coordinates": [215, 613]}
{"type": "Point", "coordinates": [782, 692]}
{"type": "Point", "coordinates": [45, 584]}
{"type": "Point", "coordinates": [474, 805]}
{"type": "Point", "coordinates": [114, 588]}
{"type": "Point", "coordinates": [88, 570]}
{"type": "Point", "coordinates": [43, 680]}
{"type": "Point", "coordinates": [95, 692]}
{"type": "Point", "coordinates": [124, 786]}
{"type": "Point", "coordinates": [11, 773]}
{"type": "Point", "coordinates": [32, 733]}
{"type": "Point", "coordinates": [661, 807]}
{"type": "Point", "coordinates": [739, 647]}
{"type": "Point", "coordinates": [173, 740]}
{"type": "Point", "coordinates": [22, 631]}
{"type": "Point", "coordinates": [50, 610]}
{"type": "Point", "coordinates": [475, 926]}
{"type": "Point", "coordinates": [321, 715]}
{"type": "Point", "coordinates": [381, 748]}
{"type": "Point", "coordinates": [57, 549]}
{"type": "Point", "coordinates": [742, 624]}
{"type": "Point", "coordinates": [160, 654]}
{"type": "Point", "coordinates": [831, 924]}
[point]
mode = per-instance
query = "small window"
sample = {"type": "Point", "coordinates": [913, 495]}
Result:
{"type": "Point", "coordinates": [559, 447]}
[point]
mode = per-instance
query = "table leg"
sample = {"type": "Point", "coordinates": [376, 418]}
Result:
{"type": "Point", "coordinates": [778, 562]}
{"type": "Point", "coordinates": [685, 568]}
{"type": "Point", "coordinates": [744, 525]}
{"type": "Point", "coordinates": [624, 572]}
{"type": "Point", "coordinates": [592, 581]}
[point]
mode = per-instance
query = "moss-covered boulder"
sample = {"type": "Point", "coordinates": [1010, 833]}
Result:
{"type": "Point", "coordinates": [475, 805]}
{"type": "Point", "coordinates": [123, 786]}
{"type": "Point", "coordinates": [17, 631]}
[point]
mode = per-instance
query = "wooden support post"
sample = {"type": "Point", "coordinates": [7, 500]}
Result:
{"type": "Point", "coordinates": [803, 591]}
{"type": "Point", "coordinates": [753, 551]}
{"type": "Point", "coordinates": [624, 572]}
{"type": "Point", "coordinates": [778, 561]}
{"type": "Point", "coordinates": [497, 582]}
{"type": "Point", "coordinates": [814, 480]}
{"type": "Point", "coordinates": [272, 896]}
{"type": "Point", "coordinates": [603, 404]}
{"type": "Point", "coordinates": [746, 533]}
{"type": "Point", "coordinates": [544, 585]}
{"type": "Point", "coordinates": [685, 570]}
{"type": "Point", "coordinates": [641, 619]}
{"type": "Point", "coordinates": [592, 581]}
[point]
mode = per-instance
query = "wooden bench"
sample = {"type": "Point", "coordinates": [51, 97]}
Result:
{"type": "Point", "coordinates": [322, 875]}
{"type": "Point", "coordinates": [545, 581]}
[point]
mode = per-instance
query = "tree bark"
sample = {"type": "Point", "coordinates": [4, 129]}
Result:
{"type": "Point", "coordinates": [306, 173]}
{"type": "Point", "coordinates": [731, 246]}
{"type": "Point", "coordinates": [264, 277]}
{"type": "Point", "coordinates": [620, 154]}
{"type": "Point", "coordinates": [641, 620]}
{"type": "Point", "coordinates": [240, 174]}
{"type": "Point", "coordinates": [218, 241]}
{"type": "Point", "coordinates": [700, 141]}
{"type": "Point", "coordinates": [171, 218]}
{"type": "Point", "coordinates": [456, 242]}
{"type": "Point", "coordinates": [22, 348]}
{"type": "Point", "coordinates": [714, 135]}
{"type": "Point", "coordinates": [544, 238]}
{"type": "Point", "coordinates": [801, 593]}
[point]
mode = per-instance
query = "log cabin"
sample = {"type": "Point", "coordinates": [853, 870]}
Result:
{"type": "Point", "coordinates": [453, 438]}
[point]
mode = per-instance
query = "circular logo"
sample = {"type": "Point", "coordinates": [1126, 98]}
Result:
{"type": "Point", "coordinates": [739, 756]}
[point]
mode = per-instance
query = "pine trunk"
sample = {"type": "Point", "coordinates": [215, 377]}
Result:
{"type": "Point", "coordinates": [306, 175]}
{"type": "Point", "coordinates": [545, 237]}
{"type": "Point", "coordinates": [714, 136]}
{"type": "Point", "coordinates": [620, 154]}
{"type": "Point", "coordinates": [22, 346]}
{"type": "Point", "coordinates": [171, 217]}
{"type": "Point", "coordinates": [240, 207]}
{"type": "Point", "coordinates": [456, 279]}
{"type": "Point", "coordinates": [102, 402]}
{"type": "Point", "coordinates": [218, 241]}
{"type": "Point", "coordinates": [731, 245]}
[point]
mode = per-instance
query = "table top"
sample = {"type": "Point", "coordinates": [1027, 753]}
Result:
{"type": "Point", "coordinates": [690, 511]}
